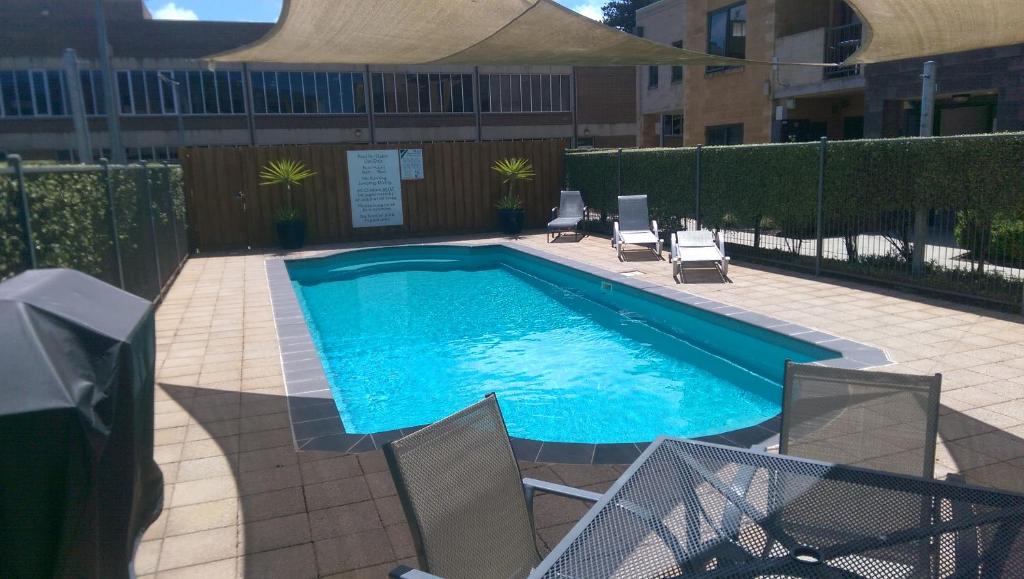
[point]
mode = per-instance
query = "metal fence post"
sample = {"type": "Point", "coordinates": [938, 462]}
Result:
{"type": "Point", "coordinates": [696, 187]}
{"type": "Point", "coordinates": [822, 157]}
{"type": "Point", "coordinates": [115, 235]}
{"type": "Point", "coordinates": [173, 216]}
{"type": "Point", "coordinates": [619, 160]}
{"type": "Point", "coordinates": [26, 218]}
{"type": "Point", "coordinates": [152, 226]}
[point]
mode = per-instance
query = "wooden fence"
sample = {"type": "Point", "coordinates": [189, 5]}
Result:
{"type": "Point", "coordinates": [227, 207]}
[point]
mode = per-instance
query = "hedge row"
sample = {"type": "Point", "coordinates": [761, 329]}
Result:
{"type": "Point", "coordinates": [872, 186]}
{"type": "Point", "coordinates": [69, 215]}
{"type": "Point", "coordinates": [739, 183]}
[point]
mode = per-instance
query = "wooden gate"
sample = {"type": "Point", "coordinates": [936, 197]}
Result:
{"type": "Point", "coordinates": [227, 207]}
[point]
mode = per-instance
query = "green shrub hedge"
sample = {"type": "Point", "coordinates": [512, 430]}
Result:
{"type": "Point", "coordinates": [70, 222]}
{"type": "Point", "coordinates": [872, 186]}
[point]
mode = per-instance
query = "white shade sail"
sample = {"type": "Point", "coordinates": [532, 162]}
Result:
{"type": "Point", "coordinates": [457, 32]}
{"type": "Point", "coordinates": [898, 29]}
{"type": "Point", "coordinates": [541, 32]}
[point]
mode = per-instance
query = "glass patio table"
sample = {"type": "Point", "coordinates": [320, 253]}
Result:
{"type": "Point", "coordinates": [687, 508]}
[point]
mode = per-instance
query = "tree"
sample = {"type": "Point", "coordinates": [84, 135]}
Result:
{"type": "Point", "coordinates": [622, 13]}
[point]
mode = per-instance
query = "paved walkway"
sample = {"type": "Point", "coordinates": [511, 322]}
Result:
{"type": "Point", "coordinates": [241, 502]}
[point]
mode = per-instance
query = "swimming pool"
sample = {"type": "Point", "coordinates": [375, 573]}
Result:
{"type": "Point", "coordinates": [409, 335]}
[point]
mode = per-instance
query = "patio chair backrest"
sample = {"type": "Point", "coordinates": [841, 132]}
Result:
{"type": "Point", "coordinates": [695, 238]}
{"type": "Point", "coordinates": [571, 204]}
{"type": "Point", "coordinates": [633, 214]}
{"type": "Point", "coordinates": [875, 420]}
{"type": "Point", "coordinates": [462, 492]}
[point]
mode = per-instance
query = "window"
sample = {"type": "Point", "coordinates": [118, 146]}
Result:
{"type": "Point", "coordinates": [152, 92]}
{"type": "Point", "coordinates": [677, 71]}
{"type": "Point", "coordinates": [27, 93]}
{"type": "Point", "coordinates": [397, 93]}
{"type": "Point", "coordinates": [727, 33]}
{"type": "Point", "coordinates": [724, 135]}
{"type": "Point", "coordinates": [652, 77]}
{"type": "Point", "coordinates": [524, 93]}
{"type": "Point", "coordinates": [306, 93]}
{"type": "Point", "coordinates": [672, 125]}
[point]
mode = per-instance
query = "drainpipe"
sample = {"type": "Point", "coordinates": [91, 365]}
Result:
{"type": "Point", "coordinates": [368, 99]}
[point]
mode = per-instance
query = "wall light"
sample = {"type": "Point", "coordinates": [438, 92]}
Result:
{"type": "Point", "coordinates": [961, 98]}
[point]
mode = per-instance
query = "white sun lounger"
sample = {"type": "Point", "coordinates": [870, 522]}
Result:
{"type": "Point", "coordinates": [698, 247]}
{"type": "Point", "coordinates": [634, 226]}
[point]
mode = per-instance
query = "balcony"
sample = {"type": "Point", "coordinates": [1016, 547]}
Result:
{"type": "Point", "coordinates": [825, 44]}
{"type": "Point", "coordinates": [840, 43]}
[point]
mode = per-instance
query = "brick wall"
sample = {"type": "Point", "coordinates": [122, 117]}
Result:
{"type": "Point", "coordinates": [998, 70]}
{"type": "Point", "coordinates": [606, 94]}
{"type": "Point", "coordinates": [736, 95]}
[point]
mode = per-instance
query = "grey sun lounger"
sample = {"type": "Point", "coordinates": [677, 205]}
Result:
{"type": "Point", "coordinates": [698, 247]}
{"type": "Point", "coordinates": [568, 216]}
{"type": "Point", "coordinates": [635, 226]}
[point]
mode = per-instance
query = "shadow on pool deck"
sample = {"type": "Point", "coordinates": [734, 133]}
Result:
{"type": "Point", "coordinates": [303, 513]}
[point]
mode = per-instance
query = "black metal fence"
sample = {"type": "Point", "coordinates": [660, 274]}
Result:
{"type": "Point", "coordinates": [124, 224]}
{"type": "Point", "coordinates": [945, 215]}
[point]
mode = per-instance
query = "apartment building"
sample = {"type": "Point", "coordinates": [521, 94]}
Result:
{"type": "Point", "coordinates": [166, 96]}
{"type": "Point", "coordinates": [660, 88]}
{"type": "Point", "coordinates": [980, 91]}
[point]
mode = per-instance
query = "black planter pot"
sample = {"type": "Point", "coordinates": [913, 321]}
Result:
{"type": "Point", "coordinates": [291, 234]}
{"type": "Point", "coordinates": [511, 220]}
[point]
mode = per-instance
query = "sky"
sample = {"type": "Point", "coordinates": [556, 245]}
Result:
{"type": "Point", "coordinates": [268, 10]}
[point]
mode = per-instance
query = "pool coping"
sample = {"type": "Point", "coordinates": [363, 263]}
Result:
{"type": "Point", "coordinates": [317, 425]}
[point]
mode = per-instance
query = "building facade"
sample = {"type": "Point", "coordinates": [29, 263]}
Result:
{"type": "Point", "coordinates": [660, 88]}
{"type": "Point", "coordinates": [980, 91]}
{"type": "Point", "coordinates": [166, 96]}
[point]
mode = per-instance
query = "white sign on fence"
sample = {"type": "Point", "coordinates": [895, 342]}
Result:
{"type": "Point", "coordinates": [412, 163]}
{"type": "Point", "coordinates": [375, 188]}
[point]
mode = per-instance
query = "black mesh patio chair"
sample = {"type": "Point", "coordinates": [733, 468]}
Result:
{"type": "Point", "coordinates": [875, 420]}
{"type": "Point", "coordinates": [469, 509]}
{"type": "Point", "coordinates": [569, 216]}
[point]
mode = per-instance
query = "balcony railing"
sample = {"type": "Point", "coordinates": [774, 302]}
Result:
{"type": "Point", "coordinates": [840, 43]}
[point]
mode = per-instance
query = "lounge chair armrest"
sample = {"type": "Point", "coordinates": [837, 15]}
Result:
{"type": "Point", "coordinates": [615, 233]}
{"type": "Point", "coordinates": [554, 212]}
{"type": "Point", "coordinates": [654, 227]}
{"type": "Point", "coordinates": [533, 484]}
{"type": "Point", "coordinates": [406, 572]}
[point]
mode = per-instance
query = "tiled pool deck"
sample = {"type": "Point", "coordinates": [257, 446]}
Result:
{"type": "Point", "coordinates": [242, 502]}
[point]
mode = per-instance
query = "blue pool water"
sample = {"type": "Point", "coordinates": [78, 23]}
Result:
{"type": "Point", "coordinates": [410, 335]}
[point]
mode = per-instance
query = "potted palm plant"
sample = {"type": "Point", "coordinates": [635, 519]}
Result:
{"type": "Point", "coordinates": [510, 206]}
{"type": "Point", "coordinates": [291, 228]}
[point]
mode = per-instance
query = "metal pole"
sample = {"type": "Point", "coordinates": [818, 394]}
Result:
{"type": "Point", "coordinates": [113, 120]}
{"type": "Point", "coordinates": [73, 82]}
{"type": "Point", "coordinates": [822, 158]}
{"type": "Point", "coordinates": [696, 187]}
{"type": "Point", "coordinates": [619, 171]}
{"type": "Point", "coordinates": [26, 219]}
{"type": "Point", "coordinates": [368, 99]}
{"type": "Point", "coordinates": [476, 104]}
{"type": "Point", "coordinates": [927, 130]}
{"type": "Point", "coordinates": [174, 217]}
{"type": "Point", "coordinates": [152, 226]}
{"type": "Point", "coordinates": [250, 112]}
{"type": "Point", "coordinates": [176, 91]}
{"type": "Point", "coordinates": [115, 235]}
{"type": "Point", "coordinates": [928, 99]}
{"type": "Point", "coordinates": [572, 99]}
